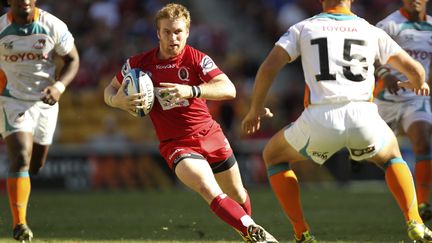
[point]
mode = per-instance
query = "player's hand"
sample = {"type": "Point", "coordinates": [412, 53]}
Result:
{"type": "Point", "coordinates": [175, 92]}
{"type": "Point", "coordinates": [391, 84]}
{"type": "Point", "coordinates": [50, 95]}
{"type": "Point", "coordinates": [252, 121]}
{"type": "Point", "coordinates": [424, 90]}
{"type": "Point", "coordinates": [127, 102]}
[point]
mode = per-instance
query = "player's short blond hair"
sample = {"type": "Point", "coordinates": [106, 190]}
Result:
{"type": "Point", "coordinates": [173, 11]}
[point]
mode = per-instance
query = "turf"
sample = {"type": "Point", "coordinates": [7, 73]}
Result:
{"type": "Point", "coordinates": [336, 214]}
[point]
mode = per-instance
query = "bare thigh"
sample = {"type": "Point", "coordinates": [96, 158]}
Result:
{"type": "Point", "coordinates": [198, 176]}
{"type": "Point", "coordinates": [278, 150]}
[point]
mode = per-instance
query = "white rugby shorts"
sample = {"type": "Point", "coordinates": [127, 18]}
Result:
{"type": "Point", "coordinates": [38, 118]}
{"type": "Point", "coordinates": [403, 114]}
{"type": "Point", "coordinates": [323, 130]}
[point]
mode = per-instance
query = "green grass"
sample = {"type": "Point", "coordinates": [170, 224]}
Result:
{"type": "Point", "coordinates": [336, 214]}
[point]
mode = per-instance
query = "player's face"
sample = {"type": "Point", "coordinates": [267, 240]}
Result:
{"type": "Point", "coordinates": [22, 10]}
{"type": "Point", "coordinates": [172, 36]}
{"type": "Point", "coordinates": [415, 5]}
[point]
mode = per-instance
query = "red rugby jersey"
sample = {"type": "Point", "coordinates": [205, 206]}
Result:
{"type": "Point", "coordinates": [191, 67]}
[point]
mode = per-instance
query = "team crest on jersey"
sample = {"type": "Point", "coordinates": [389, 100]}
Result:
{"type": "Point", "coordinates": [40, 44]}
{"type": "Point", "coordinates": [207, 65]}
{"type": "Point", "coordinates": [8, 45]}
{"type": "Point", "coordinates": [183, 74]}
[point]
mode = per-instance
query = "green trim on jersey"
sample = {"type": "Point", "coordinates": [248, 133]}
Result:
{"type": "Point", "coordinates": [333, 16]}
{"type": "Point", "coordinates": [416, 25]}
{"type": "Point", "coordinates": [23, 30]}
{"type": "Point", "coordinates": [8, 127]}
{"type": "Point", "coordinates": [6, 93]}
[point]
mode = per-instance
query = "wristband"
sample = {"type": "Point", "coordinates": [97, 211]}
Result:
{"type": "Point", "coordinates": [198, 91]}
{"type": "Point", "coordinates": [59, 86]}
{"type": "Point", "coordinates": [194, 91]}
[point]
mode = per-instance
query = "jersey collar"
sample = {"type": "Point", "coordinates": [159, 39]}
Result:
{"type": "Point", "coordinates": [35, 17]}
{"type": "Point", "coordinates": [339, 10]}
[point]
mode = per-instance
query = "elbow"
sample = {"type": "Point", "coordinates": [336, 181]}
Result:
{"type": "Point", "coordinates": [232, 93]}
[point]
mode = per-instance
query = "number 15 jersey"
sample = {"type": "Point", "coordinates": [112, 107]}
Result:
{"type": "Point", "coordinates": [338, 52]}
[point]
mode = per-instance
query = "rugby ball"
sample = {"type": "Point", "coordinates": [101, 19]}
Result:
{"type": "Point", "coordinates": [138, 81]}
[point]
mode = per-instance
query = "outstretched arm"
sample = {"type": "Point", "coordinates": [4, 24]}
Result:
{"type": "Point", "coordinates": [267, 72]}
{"type": "Point", "coordinates": [413, 70]}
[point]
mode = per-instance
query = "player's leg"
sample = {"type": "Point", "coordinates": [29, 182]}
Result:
{"type": "Point", "coordinates": [228, 176]}
{"type": "Point", "coordinates": [277, 155]}
{"type": "Point", "coordinates": [38, 158]}
{"type": "Point", "coordinates": [19, 146]}
{"type": "Point", "coordinates": [419, 133]}
{"type": "Point", "coordinates": [400, 182]}
{"type": "Point", "coordinates": [198, 175]}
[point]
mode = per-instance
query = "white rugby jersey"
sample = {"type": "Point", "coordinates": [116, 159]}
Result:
{"type": "Point", "coordinates": [416, 39]}
{"type": "Point", "coordinates": [26, 53]}
{"type": "Point", "coordinates": [338, 51]}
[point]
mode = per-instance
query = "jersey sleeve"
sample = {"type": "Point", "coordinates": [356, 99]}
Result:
{"type": "Point", "coordinates": [290, 41]}
{"type": "Point", "coordinates": [63, 37]}
{"type": "Point", "coordinates": [207, 68]}
{"type": "Point", "coordinates": [387, 46]}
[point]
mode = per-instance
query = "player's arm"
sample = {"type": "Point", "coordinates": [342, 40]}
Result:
{"type": "Point", "coordinates": [66, 75]}
{"type": "Point", "coordinates": [218, 88]}
{"type": "Point", "coordinates": [390, 81]}
{"type": "Point", "coordinates": [267, 72]}
{"type": "Point", "coordinates": [115, 96]}
{"type": "Point", "coordinates": [413, 70]}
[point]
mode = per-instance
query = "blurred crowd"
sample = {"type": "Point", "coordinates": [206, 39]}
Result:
{"type": "Point", "coordinates": [109, 31]}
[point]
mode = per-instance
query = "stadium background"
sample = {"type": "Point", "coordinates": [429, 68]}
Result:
{"type": "Point", "coordinates": [100, 148]}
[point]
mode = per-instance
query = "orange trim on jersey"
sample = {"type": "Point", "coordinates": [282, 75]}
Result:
{"type": "Point", "coordinates": [339, 10]}
{"type": "Point", "coordinates": [35, 17]}
{"type": "Point", "coordinates": [379, 86]}
{"type": "Point", "coordinates": [306, 98]}
{"type": "Point", "coordinates": [3, 81]}
{"type": "Point", "coordinates": [406, 14]}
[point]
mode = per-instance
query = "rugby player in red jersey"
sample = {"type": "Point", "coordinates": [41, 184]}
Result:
{"type": "Point", "coordinates": [191, 141]}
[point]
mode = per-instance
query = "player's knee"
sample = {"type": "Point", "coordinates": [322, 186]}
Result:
{"type": "Point", "coordinates": [20, 160]}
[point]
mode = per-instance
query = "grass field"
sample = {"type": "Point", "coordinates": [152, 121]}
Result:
{"type": "Point", "coordinates": [364, 213]}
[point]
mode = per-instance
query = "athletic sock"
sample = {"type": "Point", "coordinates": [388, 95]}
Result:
{"type": "Point", "coordinates": [18, 186]}
{"type": "Point", "coordinates": [231, 212]}
{"type": "Point", "coordinates": [423, 180]}
{"type": "Point", "coordinates": [286, 188]}
{"type": "Point", "coordinates": [401, 184]}
{"type": "Point", "coordinates": [247, 207]}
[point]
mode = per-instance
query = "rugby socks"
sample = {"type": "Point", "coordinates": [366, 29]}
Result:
{"type": "Point", "coordinates": [287, 190]}
{"type": "Point", "coordinates": [18, 186]}
{"type": "Point", "coordinates": [401, 184]}
{"type": "Point", "coordinates": [423, 180]}
{"type": "Point", "coordinates": [247, 207]}
{"type": "Point", "coordinates": [231, 212]}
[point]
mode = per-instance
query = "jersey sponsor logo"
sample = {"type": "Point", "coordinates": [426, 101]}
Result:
{"type": "Point", "coordinates": [25, 56]}
{"type": "Point", "coordinates": [360, 152]}
{"type": "Point", "coordinates": [168, 66]}
{"type": "Point", "coordinates": [332, 28]}
{"type": "Point", "coordinates": [8, 45]}
{"type": "Point", "coordinates": [183, 74]}
{"type": "Point", "coordinates": [207, 65]}
{"type": "Point", "coordinates": [321, 155]}
{"type": "Point", "coordinates": [419, 54]}
{"type": "Point", "coordinates": [40, 44]}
